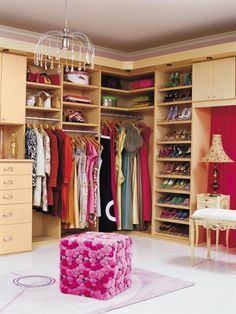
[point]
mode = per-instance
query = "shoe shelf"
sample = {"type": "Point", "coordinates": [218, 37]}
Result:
{"type": "Point", "coordinates": [172, 176]}
{"type": "Point", "coordinates": [168, 89]}
{"type": "Point", "coordinates": [79, 105]}
{"type": "Point", "coordinates": [41, 86]}
{"type": "Point", "coordinates": [173, 142]}
{"type": "Point", "coordinates": [164, 122]}
{"type": "Point", "coordinates": [173, 191]}
{"type": "Point", "coordinates": [173, 116]}
{"type": "Point", "coordinates": [171, 206]}
{"type": "Point", "coordinates": [177, 221]}
{"type": "Point", "coordinates": [174, 103]}
{"type": "Point", "coordinates": [172, 237]}
{"type": "Point", "coordinates": [172, 159]}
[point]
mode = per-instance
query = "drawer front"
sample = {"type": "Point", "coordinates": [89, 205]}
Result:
{"type": "Point", "coordinates": [15, 238]}
{"type": "Point", "coordinates": [15, 182]}
{"type": "Point", "coordinates": [12, 168]}
{"type": "Point", "coordinates": [16, 213]}
{"type": "Point", "coordinates": [208, 205]}
{"type": "Point", "coordinates": [15, 196]}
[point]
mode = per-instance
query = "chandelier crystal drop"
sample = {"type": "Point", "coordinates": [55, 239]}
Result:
{"type": "Point", "coordinates": [75, 48]}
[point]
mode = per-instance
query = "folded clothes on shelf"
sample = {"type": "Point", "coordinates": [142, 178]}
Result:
{"type": "Point", "coordinates": [79, 99]}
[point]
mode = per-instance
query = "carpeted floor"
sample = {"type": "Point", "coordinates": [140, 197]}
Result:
{"type": "Point", "coordinates": [40, 294]}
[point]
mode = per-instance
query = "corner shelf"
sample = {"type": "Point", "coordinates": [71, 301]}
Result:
{"type": "Point", "coordinates": [127, 92]}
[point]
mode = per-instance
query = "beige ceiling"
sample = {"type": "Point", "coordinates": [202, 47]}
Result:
{"type": "Point", "coordinates": [125, 25]}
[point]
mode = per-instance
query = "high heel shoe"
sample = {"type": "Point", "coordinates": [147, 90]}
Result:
{"type": "Point", "coordinates": [183, 113]}
{"type": "Point", "coordinates": [175, 113]}
{"type": "Point", "coordinates": [170, 113]}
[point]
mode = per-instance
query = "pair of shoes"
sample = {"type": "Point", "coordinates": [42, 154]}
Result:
{"type": "Point", "coordinates": [174, 79]}
{"type": "Point", "coordinates": [181, 214]}
{"type": "Point", "coordinates": [172, 96]}
{"type": "Point", "coordinates": [172, 113]}
{"type": "Point", "coordinates": [186, 114]}
{"type": "Point", "coordinates": [187, 79]}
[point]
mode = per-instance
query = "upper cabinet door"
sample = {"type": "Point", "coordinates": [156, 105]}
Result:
{"type": "Point", "coordinates": [13, 88]}
{"type": "Point", "coordinates": [202, 81]}
{"type": "Point", "coordinates": [224, 78]}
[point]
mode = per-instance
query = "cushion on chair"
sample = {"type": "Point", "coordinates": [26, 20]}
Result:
{"type": "Point", "coordinates": [215, 213]}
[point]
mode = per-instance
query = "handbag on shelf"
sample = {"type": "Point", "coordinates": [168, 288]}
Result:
{"type": "Point", "coordinates": [75, 116]}
{"type": "Point", "coordinates": [44, 78]}
{"type": "Point", "coordinates": [43, 100]}
{"type": "Point", "coordinates": [32, 77]}
{"type": "Point", "coordinates": [55, 79]}
{"type": "Point", "coordinates": [56, 103]}
{"type": "Point", "coordinates": [31, 100]}
{"type": "Point", "coordinates": [78, 77]}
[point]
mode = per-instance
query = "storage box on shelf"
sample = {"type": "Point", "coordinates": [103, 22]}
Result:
{"type": "Point", "coordinates": [173, 119]}
{"type": "Point", "coordinates": [15, 206]}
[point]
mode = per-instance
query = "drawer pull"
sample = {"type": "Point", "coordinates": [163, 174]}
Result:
{"type": "Point", "coordinates": [206, 206]}
{"type": "Point", "coordinates": [8, 239]}
{"type": "Point", "coordinates": [8, 182]}
{"type": "Point", "coordinates": [7, 215]}
{"type": "Point", "coordinates": [8, 197]}
{"type": "Point", "coordinates": [8, 169]}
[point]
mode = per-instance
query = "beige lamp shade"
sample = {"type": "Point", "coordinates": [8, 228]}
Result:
{"type": "Point", "coordinates": [216, 152]}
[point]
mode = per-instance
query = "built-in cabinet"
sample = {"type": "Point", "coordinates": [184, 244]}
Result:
{"type": "Point", "coordinates": [15, 206]}
{"type": "Point", "coordinates": [214, 80]}
{"type": "Point", "coordinates": [12, 88]}
{"type": "Point", "coordinates": [175, 171]}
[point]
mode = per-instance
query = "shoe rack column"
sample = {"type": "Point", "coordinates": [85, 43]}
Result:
{"type": "Point", "coordinates": [173, 120]}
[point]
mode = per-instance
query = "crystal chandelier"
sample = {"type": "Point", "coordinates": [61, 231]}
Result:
{"type": "Point", "coordinates": [75, 48]}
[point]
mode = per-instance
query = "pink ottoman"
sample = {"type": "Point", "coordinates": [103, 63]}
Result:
{"type": "Point", "coordinates": [95, 264]}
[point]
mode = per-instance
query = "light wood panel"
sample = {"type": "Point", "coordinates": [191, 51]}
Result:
{"type": "Point", "coordinates": [202, 78]}
{"type": "Point", "coordinates": [12, 103]}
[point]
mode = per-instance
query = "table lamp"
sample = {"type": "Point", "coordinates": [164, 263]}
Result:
{"type": "Point", "coordinates": [216, 154]}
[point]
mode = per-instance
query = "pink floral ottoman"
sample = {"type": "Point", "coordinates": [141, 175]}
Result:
{"type": "Point", "coordinates": [95, 264]}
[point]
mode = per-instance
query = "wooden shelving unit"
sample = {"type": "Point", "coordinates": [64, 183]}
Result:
{"type": "Point", "coordinates": [164, 129]}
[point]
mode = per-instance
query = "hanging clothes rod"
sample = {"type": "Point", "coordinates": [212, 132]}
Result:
{"type": "Point", "coordinates": [80, 131]}
{"type": "Point", "coordinates": [42, 118]}
{"type": "Point", "coordinates": [122, 115]}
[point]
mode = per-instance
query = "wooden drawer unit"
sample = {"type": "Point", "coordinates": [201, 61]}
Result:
{"type": "Point", "coordinates": [14, 168]}
{"type": "Point", "coordinates": [15, 206]}
{"type": "Point", "coordinates": [15, 214]}
{"type": "Point", "coordinates": [15, 238]}
{"type": "Point", "coordinates": [15, 182]}
{"type": "Point", "coordinates": [15, 196]}
{"type": "Point", "coordinates": [208, 201]}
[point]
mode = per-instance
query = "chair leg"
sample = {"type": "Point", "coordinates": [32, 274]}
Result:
{"type": "Point", "coordinates": [227, 238]}
{"type": "Point", "coordinates": [217, 239]}
{"type": "Point", "coordinates": [197, 235]}
{"type": "Point", "coordinates": [208, 243]}
{"type": "Point", "coordinates": [192, 240]}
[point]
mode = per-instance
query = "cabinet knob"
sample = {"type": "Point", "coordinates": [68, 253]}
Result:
{"type": "Point", "coordinates": [8, 169]}
{"type": "Point", "coordinates": [8, 197]}
{"type": "Point", "coordinates": [8, 182]}
{"type": "Point", "coordinates": [8, 239]}
{"type": "Point", "coordinates": [7, 215]}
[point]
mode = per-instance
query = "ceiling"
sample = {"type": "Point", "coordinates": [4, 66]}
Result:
{"type": "Point", "coordinates": [125, 25]}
